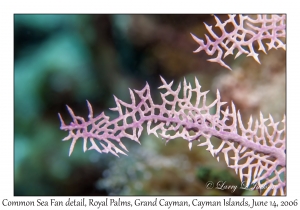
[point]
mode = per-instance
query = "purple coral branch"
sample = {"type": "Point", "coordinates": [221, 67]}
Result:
{"type": "Point", "coordinates": [243, 36]}
{"type": "Point", "coordinates": [256, 154]}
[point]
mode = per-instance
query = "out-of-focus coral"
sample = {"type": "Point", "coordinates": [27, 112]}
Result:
{"type": "Point", "coordinates": [254, 87]}
{"type": "Point", "coordinates": [146, 172]}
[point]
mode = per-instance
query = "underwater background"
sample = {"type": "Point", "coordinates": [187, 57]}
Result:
{"type": "Point", "coordinates": [64, 60]}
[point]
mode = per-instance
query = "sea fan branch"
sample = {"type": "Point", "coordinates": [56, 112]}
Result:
{"type": "Point", "coordinates": [243, 36]}
{"type": "Point", "coordinates": [256, 154]}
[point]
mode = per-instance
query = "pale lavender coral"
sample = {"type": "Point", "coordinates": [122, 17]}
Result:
{"type": "Point", "coordinates": [243, 36]}
{"type": "Point", "coordinates": [256, 154]}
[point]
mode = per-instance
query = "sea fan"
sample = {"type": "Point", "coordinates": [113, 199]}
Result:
{"type": "Point", "coordinates": [256, 153]}
{"type": "Point", "coordinates": [245, 32]}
